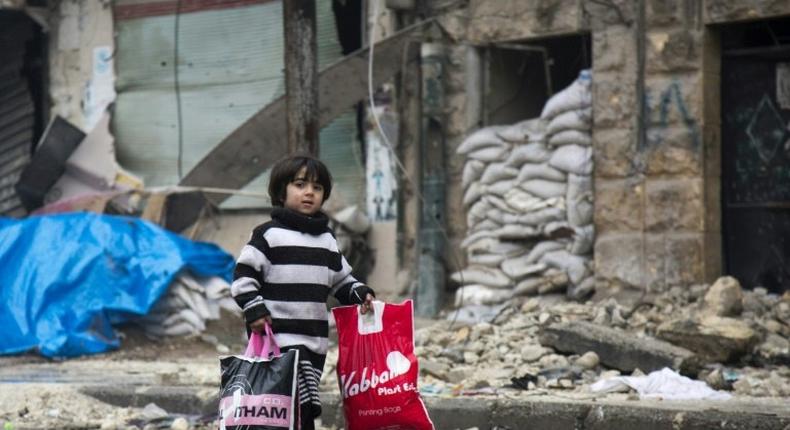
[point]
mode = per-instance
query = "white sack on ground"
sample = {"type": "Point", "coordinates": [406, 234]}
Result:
{"type": "Point", "coordinates": [480, 295]}
{"type": "Point", "coordinates": [570, 137]}
{"type": "Point", "coordinates": [482, 275]}
{"type": "Point", "coordinates": [483, 138]}
{"type": "Point", "coordinates": [661, 384]}
{"type": "Point", "coordinates": [516, 232]}
{"type": "Point", "coordinates": [579, 200]}
{"type": "Point", "coordinates": [473, 194]}
{"type": "Point", "coordinates": [500, 188]}
{"type": "Point", "coordinates": [540, 171]}
{"type": "Point", "coordinates": [579, 119]}
{"type": "Point", "coordinates": [543, 188]}
{"type": "Point", "coordinates": [573, 159]}
{"type": "Point", "coordinates": [518, 267]}
{"type": "Point", "coordinates": [531, 130]}
{"type": "Point", "coordinates": [577, 95]}
{"type": "Point", "coordinates": [529, 153]}
{"type": "Point", "coordinates": [472, 171]}
{"type": "Point", "coordinates": [499, 203]}
{"type": "Point", "coordinates": [495, 246]}
{"type": "Point", "coordinates": [539, 217]}
{"type": "Point", "coordinates": [524, 202]}
{"type": "Point", "coordinates": [474, 237]}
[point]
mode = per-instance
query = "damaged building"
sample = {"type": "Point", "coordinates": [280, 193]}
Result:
{"type": "Point", "coordinates": [686, 128]}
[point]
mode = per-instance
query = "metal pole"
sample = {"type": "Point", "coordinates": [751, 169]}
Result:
{"type": "Point", "coordinates": [301, 76]}
{"type": "Point", "coordinates": [430, 287]}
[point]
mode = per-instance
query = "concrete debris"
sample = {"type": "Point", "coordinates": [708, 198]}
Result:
{"type": "Point", "coordinates": [714, 338]}
{"type": "Point", "coordinates": [545, 343]}
{"type": "Point", "coordinates": [528, 194]}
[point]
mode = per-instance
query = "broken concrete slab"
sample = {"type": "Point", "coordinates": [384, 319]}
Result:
{"type": "Point", "coordinates": [617, 348]}
{"type": "Point", "coordinates": [713, 338]}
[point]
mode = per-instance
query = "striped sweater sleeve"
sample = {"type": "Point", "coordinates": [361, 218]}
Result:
{"type": "Point", "coordinates": [251, 268]}
{"type": "Point", "coordinates": [346, 288]}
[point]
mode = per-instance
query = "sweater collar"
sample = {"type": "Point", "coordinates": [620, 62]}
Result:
{"type": "Point", "coordinates": [315, 224]}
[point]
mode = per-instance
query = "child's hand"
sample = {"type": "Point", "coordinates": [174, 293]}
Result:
{"type": "Point", "coordinates": [259, 325]}
{"type": "Point", "coordinates": [367, 305]}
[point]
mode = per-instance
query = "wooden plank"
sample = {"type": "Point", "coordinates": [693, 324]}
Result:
{"type": "Point", "coordinates": [262, 140]}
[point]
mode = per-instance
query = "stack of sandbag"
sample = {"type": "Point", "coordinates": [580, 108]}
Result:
{"type": "Point", "coordinates": [187, 305]}
{"type": "Point", "coordinates": [528, 197]}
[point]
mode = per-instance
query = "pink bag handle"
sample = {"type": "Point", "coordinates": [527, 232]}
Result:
{"type": "Point", "coordinates": [261, 345]}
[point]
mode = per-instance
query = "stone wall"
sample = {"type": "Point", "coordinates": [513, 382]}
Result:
{"type": "Point", "coordinates": [657, 170]}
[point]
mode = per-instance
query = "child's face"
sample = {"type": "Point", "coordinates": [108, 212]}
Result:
{"type": "Point", "coordinates": [303, 195]}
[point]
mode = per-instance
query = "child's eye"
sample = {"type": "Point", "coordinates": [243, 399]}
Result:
{"type": "Point", "coordinates": [318, 187]}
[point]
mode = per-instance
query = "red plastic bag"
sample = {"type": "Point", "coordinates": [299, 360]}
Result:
{"type": "Point", "coordinates": [377, 369]}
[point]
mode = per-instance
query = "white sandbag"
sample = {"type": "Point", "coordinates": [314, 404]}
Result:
{"type": "Point", "coordinates": [490, 245]}
{"type": "Point", "coordinates": [526, 202]}
{"type": "Point", "coordinates": [482, 138]}
{"type": "Point", "coordinates": [573, 159]}
{"type": "Point", "coordinates": [474, 237]}
{"type": "Point", "coordinates": [486, 224]}
{"type": "Point", "coordinates": [577, 119]}
{"type": "Point", "coordinates": [582, 290]}
{"type": "Point", "coordinates": [573, 265]}
{"type": "Point", "coordinates": [490, 154]}
{"type": "Point", "coordinates": [201, 305]}
{"type": "Point", "coordinates": [480, 295]}
{"type": "Point", "coordinates": [518, 267]}
{"type": "Point", "coordinates": [500, 188]}
{"type": "Point", "coordinates": [472, 171]}
{"type": "Point", "coordinates": [529, 153]}
{"type": "Point", "coordinates": [540, 217]}
{"type": "Point", "coordinates": [583, 240]}
{"type": "Point", "coordinates": [537, 252]}
{"type": "Point", "coordinates": [497, 172]}
{"type": "Point", "coordinates": [531, 130]}
{"type": "Point", "coordinates": [490, 277]}
{"type": "Point", "coordinates": [577, 95]}
{"type": "Point", "coordinates": [529, 286]}
{"type": "Point", "coordinates": [473, 193]}
{"type": "Point", "coordinates": [558, 229]}
{"type": "Point", "coordinates": [488, 260]}
{"type": "Point", "coordinates": [579, 200]}
{"type": "Point", "coordinates": [540, 171]}
{"type": "Point", "coordinates": [515, 232]}
{"type": "Point", "coordinates": [570, 137]}
{"type": "Point", "coordinates": [498, 202]}
{"type": "Point", "coordinates": [477, 212]}
{"type": "Point", "coordinates": [543, 188]}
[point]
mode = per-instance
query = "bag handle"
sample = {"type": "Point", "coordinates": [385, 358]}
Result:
{"type": "Point", "coordinates": [262, 345]}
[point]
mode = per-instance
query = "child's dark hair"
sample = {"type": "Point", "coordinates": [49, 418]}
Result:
{"type": "Point", "coordinates": [285, 170]}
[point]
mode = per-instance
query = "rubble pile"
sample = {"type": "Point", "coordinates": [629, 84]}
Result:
{"type": "Point", "coordinates": [528, 194]}
{"type": "Point", "coordinates": [512, 349]}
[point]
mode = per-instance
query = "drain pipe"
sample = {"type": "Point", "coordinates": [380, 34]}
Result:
{"type": "Point", "coordinates": [431, 238]}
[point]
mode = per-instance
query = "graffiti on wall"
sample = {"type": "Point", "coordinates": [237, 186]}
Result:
{"type": "Point", "coordinates": [656, 118]}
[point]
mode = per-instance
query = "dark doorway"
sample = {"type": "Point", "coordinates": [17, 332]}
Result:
{"type": "Point", "coordinates": [521, 76]}
{"type": "Point", "coordinates": [755, 97]}
{"type": "Point", "coordinates": [22, 101]}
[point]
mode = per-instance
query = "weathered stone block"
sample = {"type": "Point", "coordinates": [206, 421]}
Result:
{"type": "Point", "coordinates": [614, 100]}
{"type": "Point", "coordinates": [618, 206]}
{"type": "Point", "coordinates": [673, 150]}
{"type": "Point", "coordinates": [613, 152]}
{"type": "Point", "coordinates": [673, 51]}
{"type": "Point", "coordinates": [675, 100]}
{"type": "Point", "coordinates": [713, 338]}
{"type": "Point", "coordinates": [618, 258]}
{"type": "Point", "coordinates": [666, 13]}
{"type": "Point", "coordinates": [674, 205]}
{"type": "Point", "coordinates": [610, 13]}
{"type": "Point", "coordinates": [673, 259]}
{"type": "Point", "coordinates": [719, 11]}
{"type": "Point", "coordinates": [613, 48]}
{"type": "Point", "coordinates": [492, 20]}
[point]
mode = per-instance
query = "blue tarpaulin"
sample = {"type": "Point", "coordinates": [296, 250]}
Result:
{"type": "Point", "coordinates": [66, 279]}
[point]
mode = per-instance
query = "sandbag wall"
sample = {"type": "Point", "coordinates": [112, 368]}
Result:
{"type": "Point", "coordinates": [529, 204]}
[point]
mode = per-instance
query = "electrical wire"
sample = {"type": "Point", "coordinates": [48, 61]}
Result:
{"type": "Point", "coordinates": [398, 162]}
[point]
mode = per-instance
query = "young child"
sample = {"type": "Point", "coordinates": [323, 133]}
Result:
{"type": "Point", "coordinates": [284, 275]}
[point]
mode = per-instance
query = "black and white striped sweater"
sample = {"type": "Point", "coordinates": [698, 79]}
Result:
{"type": "Point", "coordinates": [287, 270]}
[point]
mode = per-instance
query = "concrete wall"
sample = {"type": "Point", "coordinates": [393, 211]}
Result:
{"type": "Point", "coordinates": [657, 170]}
